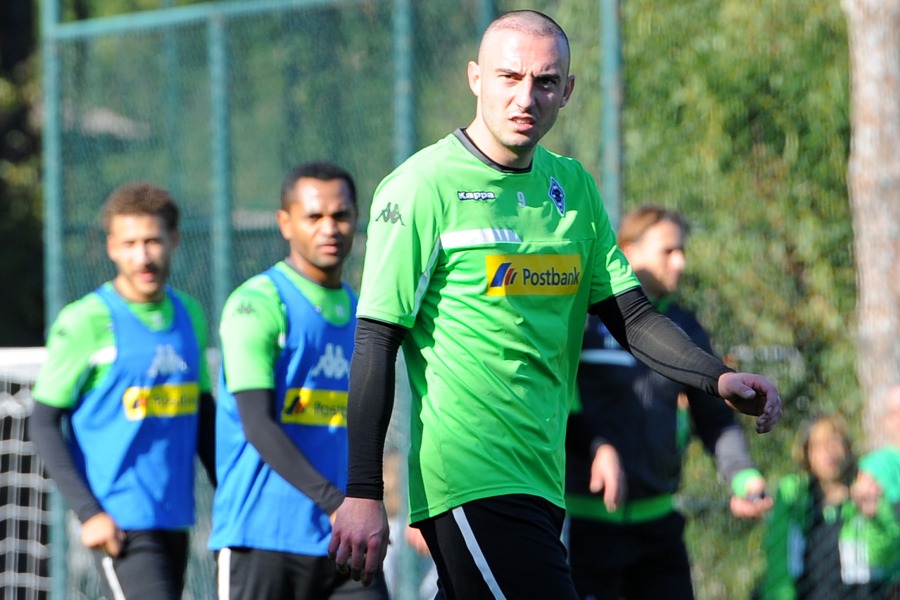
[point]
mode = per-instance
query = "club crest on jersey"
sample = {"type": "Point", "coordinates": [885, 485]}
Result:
{"type": "Point", "coordinates": [532, 274]}
{"type": "Point", "coordinates": [558, 195]}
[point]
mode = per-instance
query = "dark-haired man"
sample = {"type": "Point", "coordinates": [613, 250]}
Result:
{"type": "Point", "coordinates": [126, 372]}
{"type": "Point", "coordinates": [287, 338]}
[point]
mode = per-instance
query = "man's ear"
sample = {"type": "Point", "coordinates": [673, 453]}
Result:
{"type": "Point", "coordinates": [473, 72]}
{"type": "Point", "coordinates": [628, 249]}
{"type": "Point", "coordinates": [284, 219]}
{"type": "Point", "coordinates": [567, 91]}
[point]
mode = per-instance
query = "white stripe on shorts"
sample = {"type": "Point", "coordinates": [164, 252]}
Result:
{"type": "Point", "coordinates": [459, 516]}
{"type": "Point", "coordinates": [111, 578]}
{"type": "Point", "coordinates": [223, 577]}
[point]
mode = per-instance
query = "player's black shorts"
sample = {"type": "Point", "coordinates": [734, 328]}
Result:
{"type": "Point", "coordinates": [502, 547]}
{"type": "Point", "coordinates": [253, 574]}
{"type": "Point", "coordinates": [150, 566]}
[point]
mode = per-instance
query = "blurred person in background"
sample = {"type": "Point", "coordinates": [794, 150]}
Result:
{"type": "Point", "coordinates": [649, 419]}
{"type": "Point", "coordinates": [878, 484]}
{"type": "Point", "coordinates": [819, 544]}
{"type": "Point", "coordinates": [287, 338]}
{"type": "Point", "coordinates": [126, 378]}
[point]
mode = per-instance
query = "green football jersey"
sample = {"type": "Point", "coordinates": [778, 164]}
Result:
{"type": "Point", "coordinates": [492, 272]}
{"type": "Point", "coordinates": [254, 326]}
{"type": "Point", "coordinates": [82, 346]}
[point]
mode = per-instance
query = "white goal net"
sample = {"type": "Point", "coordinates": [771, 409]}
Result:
{"type": "Point", "coordinates": [36, 563]}
{"type": "Point", "coordinates": [24, 491]}
{"type": "Point", "coordinates": [27, 511]}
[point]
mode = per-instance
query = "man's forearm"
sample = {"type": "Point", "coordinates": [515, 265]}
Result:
{"type": "Point", "coordinates": [658, 342]}
{"type": "Point", "coordinates": [257, 411]}
{"type": "Point", "coordinates": [372, 375]}
{"type": "Point", "coordinates": [44, 430]}
{"type": "Point", "coordinates": [206, 435]}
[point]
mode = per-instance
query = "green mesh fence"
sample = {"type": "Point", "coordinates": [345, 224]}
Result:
{"type": "Point", "coordinates": [217, 109]}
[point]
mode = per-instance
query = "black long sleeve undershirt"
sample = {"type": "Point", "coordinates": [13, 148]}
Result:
{"type": "Point", "coordinates": [257, 411]}
{"type": "Point", "coordinates": [657, 342]}
{"type": "Point", "coordinates": [206, 436]}
{"type": "Point", "coordinates": [372, 374]}
{"type": "Point", "coordinates": [45, 431]}
{"type": "Point", "coordinates": [632, 320]}
{"type": "Point", "coordinates": [580, 438]}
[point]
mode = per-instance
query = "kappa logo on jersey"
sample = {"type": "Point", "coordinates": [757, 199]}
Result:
{"type": "Point", "coordinates": [483, 196]}
{"type": "Point", "coordinates": [533, 275]}
{"type": "Point", "coordinates": [166, 362]}
{"type": "Point", "coordinates": [168, 400]}
{"type": "Point", "coordinates": [390, 214]}
{"type": "Point", "coordinates": [332, 363]}
{"type": "Point", "coordinates": [558, 195]}
{"type": "Point", "coordinates": [303, 406]}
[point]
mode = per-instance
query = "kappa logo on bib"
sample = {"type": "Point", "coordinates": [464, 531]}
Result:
{"type": "Point", "coordinates": [166, 361]}
{"type": "Point", "coordinates": [533, 275]}
{"type": "Point", "coordinates": [332, 363]}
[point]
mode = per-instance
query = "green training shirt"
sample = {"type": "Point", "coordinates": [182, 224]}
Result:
{"type": "Point", "coordinates": [492, 272]}
{"type": "Point", "coordinates": [82, 345]}
{"type": "Point", "coordinates": [254, 325]}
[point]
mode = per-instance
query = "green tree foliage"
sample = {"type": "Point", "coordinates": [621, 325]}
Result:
{"type": "Point", "coordinates": [736, 113]}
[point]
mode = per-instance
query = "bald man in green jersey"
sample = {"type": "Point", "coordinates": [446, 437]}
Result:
{"type": "Point", "coordinates": [124, 404]}
{"type": "Point", "coordinates": [485, 252]}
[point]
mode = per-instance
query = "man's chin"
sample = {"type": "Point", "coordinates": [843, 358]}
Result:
{"type": "Point", "coordinates": [154, 292]}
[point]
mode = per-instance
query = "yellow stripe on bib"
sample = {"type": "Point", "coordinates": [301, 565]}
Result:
{"type": "Point", "coordinates": [167, 400]}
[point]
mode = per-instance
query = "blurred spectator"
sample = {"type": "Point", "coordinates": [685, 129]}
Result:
{"type": "Point", "coordinates": [649, 419]}
{"type": "Point", "coordinates": [884, 463]}
{"type": "Point", "coordinates": [879, 478]}
{"type": "Point", "coordinates": [819, 544]}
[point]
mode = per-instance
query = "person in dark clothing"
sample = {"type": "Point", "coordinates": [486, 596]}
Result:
{"type": "Point", "coordinates": [649, 419]}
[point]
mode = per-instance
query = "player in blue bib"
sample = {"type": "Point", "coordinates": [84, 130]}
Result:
{"type": "Point", "coordinates": [126, 369]}
{"type": "Point", "coordinates": [287, 337]}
